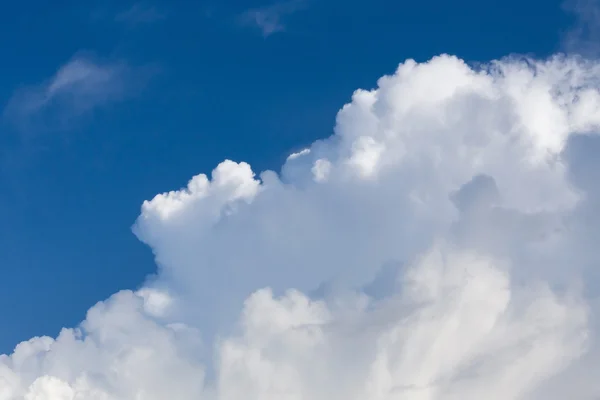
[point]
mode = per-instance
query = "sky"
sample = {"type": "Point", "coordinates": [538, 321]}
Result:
{"type": "Point", "coordinates": [448, 205]}
{"type": "Point", "coordinates": [206, 84]}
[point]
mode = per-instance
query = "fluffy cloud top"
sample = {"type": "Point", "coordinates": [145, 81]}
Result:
{"type": "Point", "coordinates": [436, 247]}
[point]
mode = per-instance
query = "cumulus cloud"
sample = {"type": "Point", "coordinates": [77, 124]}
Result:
{"type": "Point", "coordinates": [269, 19]}
{"type": "Point", "coordinates": [437, 246]}
{"type": "Point", "coordinates": [79, 87]}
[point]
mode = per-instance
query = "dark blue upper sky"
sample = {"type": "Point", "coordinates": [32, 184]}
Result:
{"type": "Point", "coordinates": [205, 85]}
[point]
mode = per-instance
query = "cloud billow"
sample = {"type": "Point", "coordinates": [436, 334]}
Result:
{"type": "Point", "coordinates": [443, 224]}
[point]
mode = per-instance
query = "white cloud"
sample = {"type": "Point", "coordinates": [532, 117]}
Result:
{"type": "Point", "coordinates": [301, 153]}
{"type": "Point", "coordinates": [76, 89]}
{"type": "Point", "coordinates": [269, 19]}
{"type": "Point", "coordinates": [437, 247]}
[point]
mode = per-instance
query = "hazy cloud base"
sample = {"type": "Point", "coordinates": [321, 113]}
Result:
{"type": "Point", "coordinates": [439, 246]}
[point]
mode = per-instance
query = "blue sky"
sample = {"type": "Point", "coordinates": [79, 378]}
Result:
{"type": "Point", "coordinates": [193, 83]}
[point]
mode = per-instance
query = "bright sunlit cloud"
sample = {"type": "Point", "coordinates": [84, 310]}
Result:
{"type": "Point", "coordinates": [436, 247]}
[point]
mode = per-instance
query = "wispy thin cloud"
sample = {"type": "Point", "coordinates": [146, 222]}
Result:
{"type": "Point", "coordinates": [584, 36]}
{"type": "Point", "coordinates": [77, 88]}
{"type": "Point", "coordinates": [270, 19]}
{"type": "Point", "coordinates": [140, 13]}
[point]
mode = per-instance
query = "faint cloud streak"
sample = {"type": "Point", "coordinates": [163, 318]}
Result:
{"type": "Point", "coordinates": [77, 88]}
{"type": "Point", "coordinates": [140, 13]}
{"type": "Point", "coordinates": [269, 19]}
